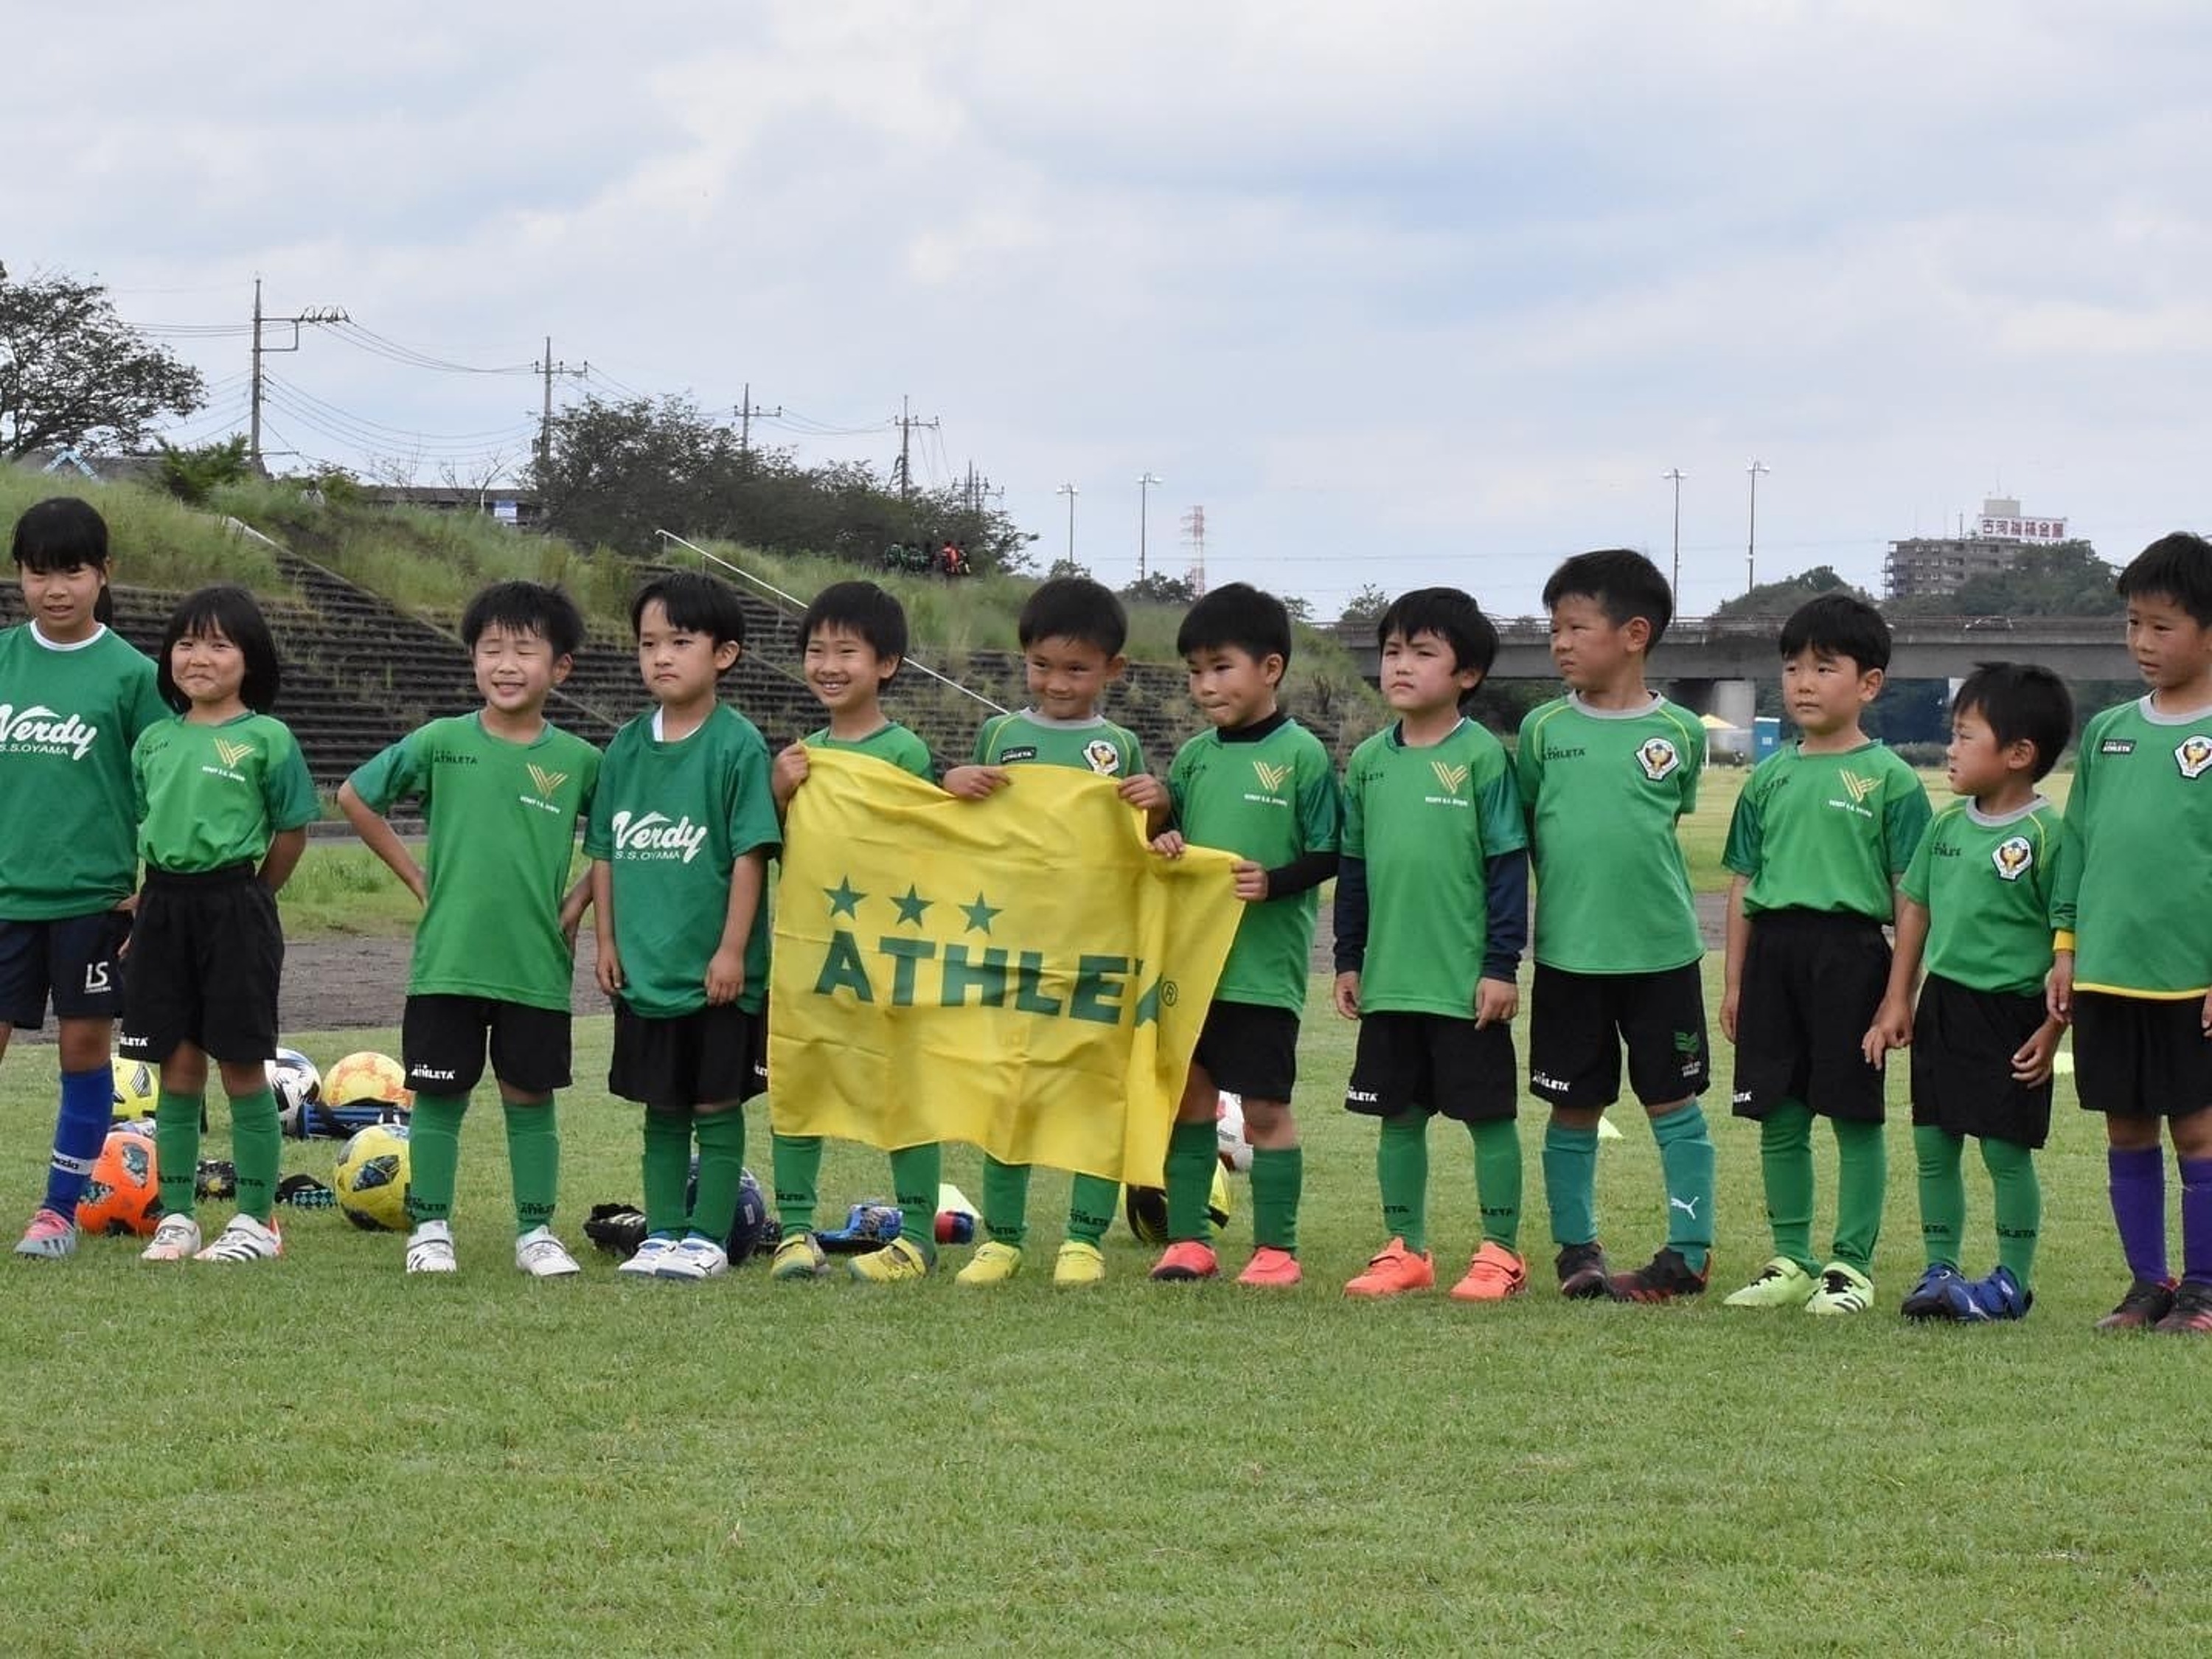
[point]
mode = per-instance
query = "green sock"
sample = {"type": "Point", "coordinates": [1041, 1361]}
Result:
{"type": "Point", "coordinates": [257, 1147]}
{"type": "Point", "coordinates": [1006, 1201]}
{"type": "Point", "coordinates": [1278, 1177]}
{"type": "Point", "coordinates": [1686, 1163]}
{"type": "Point", "coordinates": [1571, 1182]}
{"type": "Point", "coordinates": [1192, 1153]}
{"type": "Point", "coordinates": [177, 1150]}
{"type": "Point", "coordinates": [1785, 1168]}
{"type": "Point", "coordinates": [1942, 1194]}
{"type": "Point", "coordinates": [916, 1173]}
{"type": "Point", "coordinates": [796, 1163]}
{"type": "Point", "coordinates": [1091, 1204]}
{"type": "Point", "coordinates": [721, 1171]}
{"type": "Point", "coordinates": [1862, 1181]}
{"type": "Point", "coordinates": [433, 1156]}
{"type": "Point", "coordinates": [1498, 1179]}
{"type": "Point", "coordinates": [533, 1163]}
{"type": "Point", "coordinates": [667, 1168]}
{"type": "Point", "coordinates": [1401, 1170]}
{"type": "Point", "coordinates": [2019, 1206]}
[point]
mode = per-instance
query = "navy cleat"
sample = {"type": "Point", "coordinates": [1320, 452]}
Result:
{"type": "Point", "coordinates": [1972, 1301]}
{"type": "Point", "coordinates": [1926, 1300]}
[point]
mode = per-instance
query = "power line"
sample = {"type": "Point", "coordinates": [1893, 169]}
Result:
{"type": "Point", "coordinates": [378, 345]}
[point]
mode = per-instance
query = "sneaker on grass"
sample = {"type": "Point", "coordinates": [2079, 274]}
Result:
{"type": "Point", "coordinates": [1581, 1270]}
{"type": "Point", "coordinates": [2192, 1313]}
{"type": "Point", "coordinates": [646, 1263]}
{"type": "Point", "coordinates": [1186, 1261]}
{"type": "Point", "coordinates": [1971, 1300]}
{"type": "Point", "coordinates": [1843, 1290]}
{"type": "Point", "coordinates": [1926, 1300]}
{"type": "Point", "coordinates": [1079, 1264]}
{"type": "Point", "coordinates": [2148, 1301]}
{"type": "Point", "coordinates": [1665, 1277]}
{"type": "Point", "coordinates": [177, 1239]}
{"type": "Point", "coordinates": [994, 1263]}
{"type": "Point", "coordinates": [695, 1258]}
{"type": "Point", "coordinates": [1394, 1271]}
{"type": "Point", "coordinates": [49, 1237]}
{"type": "Point", "coordinates": [1493, 1274]}
{"type": "Point", "coordinates": [798, 1256]}
{"type": "Point", "coordinates": [1781, 1284]}
{"type": "Point", "coordinates": [899, 1262]}
{"type": "Point", "coordinates": [244, 1239]}
{"type": "Point", "coordinates": [541, 1255]}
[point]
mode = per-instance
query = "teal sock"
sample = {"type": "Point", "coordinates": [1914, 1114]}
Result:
{"type": "Point", "coordinates": [796, 1163]}
{"type": "Point", "coordinates": [1006, 1201]}
{"type": "Point", "coordinates": [667, 1168]}
{"type": "Point", "coordinates": [1193, 1153]}
{"type": "Point", "coordinates": [1091, 1204]}
{"type": "Point", "coordinates": [1942, 1194]}
{"type": "Point", "coordinates": [916, 1173]}
{"type": "Point", "coordinates": [1402, 1171]}
{"type": "Point", "coordinates": [177, 1150]}
{"type": "Point", "coordinates": [1686, 1163]}
{"type": "Point", "coordinates": [256, 1147]}
{"type": "Point", "coordinates": [721, 1171]}
{"type": "Point", "coordinates": [1571, 1182]}
{"type": "Point", "coordinates": [433, 1156]}
{"type": "Point", "coordinates": [533, 1162]}
{"type": "Point", "coordinates": [1278, 1175]}
{"type": "Point", "coordinates": [1785, 1169]}
{"type": "Point", "coordinates": [1498, 1179]}
{"type": "Point", "coordinates": [2019, 1206]}
{"type": "Point", "coordinates": [1862, 1181]}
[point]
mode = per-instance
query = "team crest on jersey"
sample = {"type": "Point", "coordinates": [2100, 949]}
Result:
{"type": "Point", "coordinates": [1658, 757]}
{"type": "Point", "coordinates": [2013, 856]}
{"type": "Point", "coordinates": [1857, 787]}
{"type": "Point", "coordinates": [1272, 778]}
{"type": "Point", "coordinates": [2194, 754]}
{"type": "Point", "coordinates": [231, 753]}
{"type": "Point", "coordinates": [1453, 778]}
{"type": "Point", "coordinates": [547, 782]}
{"type": "Point", "coordinates": [1102, 756]}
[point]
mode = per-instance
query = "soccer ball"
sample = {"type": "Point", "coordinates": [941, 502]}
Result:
{"type": "Point", "coordinates": [367, 1076]}
{"type": "Point", "coordinates": [124, 1193]}
{"type": "Point", "coordinates": [135, 1085]}
{"type": "Point", "coordinates": [752, 1231]}
{"type": "Point", "coordinates": [1147, 1209]}
{"type": "Point", "coordinates": [294, 1080]}
{"type": "Point", "coordinates": [371, 1178]}
{"type": "Point", "coordinates": [1229, 1133]}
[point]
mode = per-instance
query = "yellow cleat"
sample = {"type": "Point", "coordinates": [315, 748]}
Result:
{"type": "Point", "coordinates": [1079, 1264]}
{"type": "Point", "coordinates": [798, 1256]}
{"type": "Point", "coordinates": [993, 1264]}
{"type": "Point", "coordinates": [896, 1263]}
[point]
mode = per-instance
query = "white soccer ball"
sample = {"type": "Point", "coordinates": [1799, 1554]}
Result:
{"type": "Point", "coordinates": [1229, 1133]}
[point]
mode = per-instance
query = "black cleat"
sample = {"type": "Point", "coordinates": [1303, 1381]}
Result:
{"type": "Point", "coordinates": [1664, 1277]}
{"type": "Point", "coordinates": [2192, 1313]}
{"type": "Point", "coordinates": [1581, 1272]}
{"type": "Point", "coordinates": [2148, 1302]}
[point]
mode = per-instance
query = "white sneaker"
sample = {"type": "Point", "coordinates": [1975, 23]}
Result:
{"type": "Point", "coordinates": [696, 1257]}
{"type": "Point", "coordinates": [430, 1249]}
{"type": "Point", "coordinates": [646, 1264]}
{"type": "Point", "coordinates": [177, 1239]}
{"type": "Point", "coordinates": [244, 1239]}
{"type": "Point", "coordinates": [541, 1255]}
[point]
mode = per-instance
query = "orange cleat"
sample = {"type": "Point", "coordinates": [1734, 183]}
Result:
{"type": "Point", "coordinates": [1277, 1269]}
{"type": "Point", "coordinates": [1186, 1261]}
{"type": "Point", "coordinates": [1494, 1274]}
{"type": "Point", "coordinates": [1395, 1271]}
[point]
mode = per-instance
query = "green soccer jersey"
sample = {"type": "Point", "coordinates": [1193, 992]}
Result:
{"type": "Point", "coordinates": [1827, 832]}
{"type": "Point", "coordinates": [1603, 789]}
{"type": "Point", "coordinates": [1272, 799]}
{"type": "Point", "coordinates": [1427, 822]}
{"type": "Point", "coordinates": [1095, 744]}
{"type": "Point", "coordinates": [68, 714]}
{"type": "Point", "coordinates": [671, 819]}
{"type": "Point", "coordinates": [502, 823]}
{"type": "Point", "coordinates": [1996, 889]}
{"type": "Point", "coordinates": [2142, 805]}
{"type": "Point", "coordinates": [889, 742]}
{"type": "Point", "coordinates": [216, 795]}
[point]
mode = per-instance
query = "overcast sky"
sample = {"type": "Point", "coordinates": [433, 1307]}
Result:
{"type": "Point", "coordinates": [1401, 293]}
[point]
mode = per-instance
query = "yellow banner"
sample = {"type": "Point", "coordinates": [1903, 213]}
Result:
{"type": "Point", "coordinates": [1022, 973]}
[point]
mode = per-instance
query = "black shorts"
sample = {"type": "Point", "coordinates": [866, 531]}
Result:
{"type": "Point", "coordinates": [1579, 1022]}
{"type": "Point", "coordinates": [442, 1042]}
{"type": "Point", "coordinates": [71, 959]}
{"type": "Point", "coordinates": [206, 954]}
{"type": "Point", "coordinates": [1812, 984]}
{"type": "Point", "coordinates": [708, 1057]}
{"type": "Point", "coordinates": [1963, 1042]}
{"type": "Point", "coordinates": [1434, 1063]}
{"type": "Point", "coordinates": [1249, 1050]}
{"type": "Point", "coordinates": [2140, 1057]}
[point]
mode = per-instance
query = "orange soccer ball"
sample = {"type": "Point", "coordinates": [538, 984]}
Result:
{"type": "Point", "coordinates": [367, 1076]}
{"type": "Point", "coordinates": [124, 1193]}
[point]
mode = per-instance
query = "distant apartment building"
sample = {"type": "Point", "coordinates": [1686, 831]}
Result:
{"type": "Point", "coordinates": [1922, 567]}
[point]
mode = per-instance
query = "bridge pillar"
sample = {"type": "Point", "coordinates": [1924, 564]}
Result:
{"type": "Point", "coordinates": [1733, 701]}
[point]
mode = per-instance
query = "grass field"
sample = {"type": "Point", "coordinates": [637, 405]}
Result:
{"type": "Point", "coordinates": [325, 1454]}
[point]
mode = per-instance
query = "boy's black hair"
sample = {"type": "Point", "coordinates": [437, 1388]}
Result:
{"type": "Point", "coordinates": [1839, 625]}
{"type": "Point", "coordinates": [1240, 615]}
{"type": "Point", "coordinates": [1075, 608]}
{"type": "Point", "coordinates": [63, 533]}
{"type": "Point", "coordinates": [229, 610]}
{"type": "Point", "coordinates": [860, 608]}
{"type": "Point", "coordinates": [693, 602]}
{"type": "Point", "coordinates": [1624, 583]}
{"type": "Point", "coordinates": [1452, 616]}
{"type": "Point", "coordinates": [2019, 701]}
{"type": "Point", "coordinates": [2178, 567]}
{"type": "Point", "coordinates": [524, 608]}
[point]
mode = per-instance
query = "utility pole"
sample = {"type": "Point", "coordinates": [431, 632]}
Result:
{"type": "Point", "coordinates": [1145, 481]}
{"type": "Point", "coordinates": [1069, 490]}
{"type": "Point", "coordinates": [1751, 547]}
{"type": "Point", "coordinates": [1674, 587]}
{"type": "Point", "coordinates": [906, 423]}
{"type": "Point", "coordinates": [548, 368]}
{"type": "Point", "coordinates": [317, 314]}
{"type": "Point", "coordinates": [746, 410]}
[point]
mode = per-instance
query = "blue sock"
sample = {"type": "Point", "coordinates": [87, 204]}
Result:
{"type": "Point", "coordinates": [79, 1132]}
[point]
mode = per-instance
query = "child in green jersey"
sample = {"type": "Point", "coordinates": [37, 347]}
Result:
{"type": "Point", "coordinates": [1986, 896]}
{"type": "Point", "coordinates": [853, 638]}
{"type": "Point", "coordinates": [73, 698]}
{"type": "Point", "coordinates": [1432, 911]}
{"type": "Point", "coordinates": [1821, 832]}
{"type": "Point", "coordinates": [1606, 773]}
{"type": "Point", "coordinates": [1260, 785]}
{"type": "Point", "coordinates": [1072, 631]}
{"type": "Point", "coordinates": [501, 790]}
{"type": "Point", "coordinates": [682, 828]}
{"type": "Point", "coordinates": [225, 800]}
{"type": "Point", "coordinates": [2140, 987]}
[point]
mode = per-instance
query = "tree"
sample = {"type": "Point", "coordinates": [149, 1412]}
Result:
{"type": "Point", "coordinates": [1366, 606]}
{"type": "Point", "coordinates": [2066, 578]}
{"type": "Point", "coordinates": [1300, 608]}
{"type": "Point", "coordinates": [192, 474]}
{"type": "Point", "coordinates": [1066, 567]}
{"type": "Point", "coordinates": [1157, 588]}
{"type": "Point", "coordinates": [1780, 598]}
{"type": "Point", "coordinates": [72, 372]}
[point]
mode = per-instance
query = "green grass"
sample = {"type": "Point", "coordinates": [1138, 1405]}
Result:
{"type": "Point", "coordinates": [342, 888]}
{"type": "Point", "coordinates": [324, 1454]}
{"type": "Point", "coordinates": [154, 539]}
